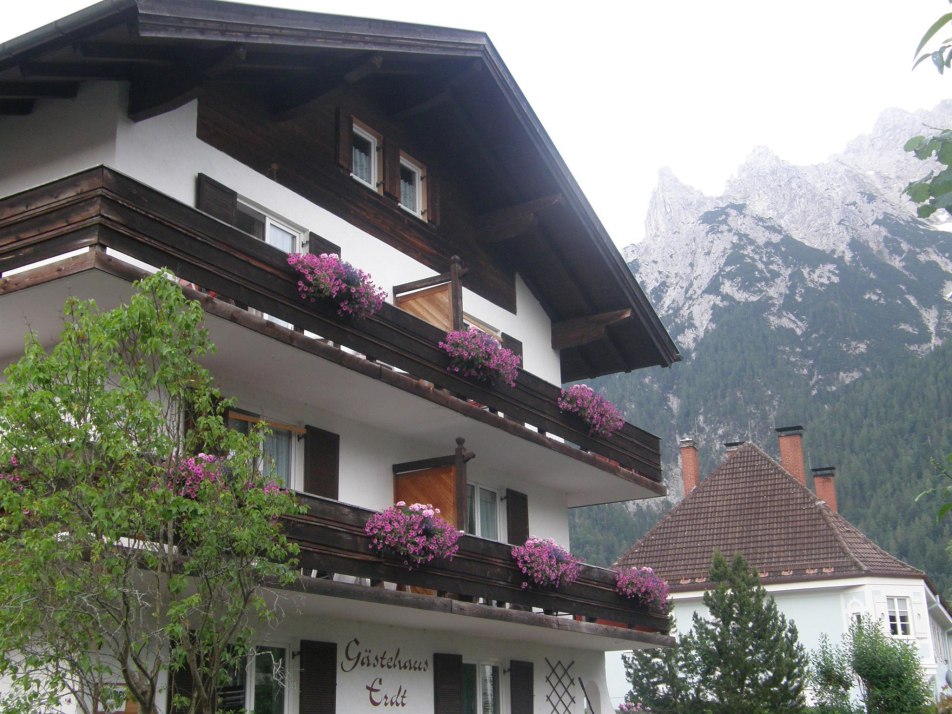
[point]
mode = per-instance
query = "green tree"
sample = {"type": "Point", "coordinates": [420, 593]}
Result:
{"type": "Point", "coordinates": [886, 670]}
{"type": "Point", "coordinates": [832, 678]}
{"type": "Point", "coordinates": [743, 659]}
{"type": "Point", "coordinates": [124, 549]}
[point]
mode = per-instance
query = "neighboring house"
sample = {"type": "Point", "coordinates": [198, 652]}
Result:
{"type": "Point", "coordinates": [821, 570]}
{"type": "Point", "coordinates": [213, 139]}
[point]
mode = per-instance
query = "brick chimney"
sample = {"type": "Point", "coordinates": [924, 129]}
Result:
{"type": "Point", "coordinates": [690, 473]}
{"type": "Point", "coordinates": [824, 486]}
{"type": "Point", "coordinates": [791, 451]}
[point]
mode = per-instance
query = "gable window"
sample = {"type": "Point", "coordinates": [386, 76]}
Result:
{"type": "Point", "coordinates": [258, 687]}
{"type": "Point", "coordinates": [481, 688]}
{"type": "Point", "coordinates": [365, 155]}
{"type": "Point", "coordinates": [482, 515]}
{"type": "Point", "coordinates": [897, 609]}
{"type": "Point", "coordinates": [411, 186]}
{"type": "Point", "coordinates": [278, 447]}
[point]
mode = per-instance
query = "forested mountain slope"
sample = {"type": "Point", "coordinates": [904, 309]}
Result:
{"type": "Point", "coordinates": [803, 295]}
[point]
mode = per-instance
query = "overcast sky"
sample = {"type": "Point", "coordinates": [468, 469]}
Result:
{"type": "Point", "coordinates": [625, 88]}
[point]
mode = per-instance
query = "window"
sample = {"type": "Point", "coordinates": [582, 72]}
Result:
{"type": "Point", "coordinates": [482, 513]}
{"type": "Point", "coordinates": [481, 688]}
{"type": "Point", "coordinates": [267, 229]}
{"type": "Point", "coordinates": [365, 155]}
{"type": "Point", "coordinates": [278, 446]}
{"type": "Point", "coordinates": [258, 687]}
{"type": "Point", "coordinates": [271, 231]}
{"type": "Point", "coordinates": [411, 186]}
{"type": "Point", "coordinates": [898, 614]}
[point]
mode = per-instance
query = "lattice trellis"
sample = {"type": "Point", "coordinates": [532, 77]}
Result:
{"type": "Point", "coordinates": [561, 687]}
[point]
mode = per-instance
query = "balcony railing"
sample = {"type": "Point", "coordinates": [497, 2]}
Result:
{"type": "Point", "coordinates": [103, 208]}
{"type": "Point", "coordinates": [332, 540]}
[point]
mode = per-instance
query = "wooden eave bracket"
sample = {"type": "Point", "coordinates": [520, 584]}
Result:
{"type": "Point", "coordinates": [148, 99]}
{"type": "Point", "coordinates": [584, 330]}
{"type": "Point", "coordinates": [295, 107]}
{"type": "Point", "coordinates": [512, 221]}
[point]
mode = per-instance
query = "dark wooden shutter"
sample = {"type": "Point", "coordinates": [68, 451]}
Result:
{"type": "Point", "coordinates": [432, 198]}
{"type": "Point", "coordinates": [318, 244]}
{"type": "Point", "coordinates": [345, 134]}
{"type": "Point", "coordinates": [447, 683]}
{"type": "Point", "coordinates": [318, 680]}
{"type": "Point", "coordinates": [520, 687]}
{"type": "Point", "coordinates": [517, 516]}
{"type": "Point", "coordinates": [391, 169]}
{"type": "Point", "coordinates": [511, 343]}
{"type": "Point", "coordinates": [321, 462]}
{"type": "Point", "coordinates": [216, 199]}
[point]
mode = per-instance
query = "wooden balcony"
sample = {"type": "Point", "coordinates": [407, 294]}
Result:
{"type": "Point", "coordinates": [101, 208]}
{"type": "Point", "coordinates": [332, 540]}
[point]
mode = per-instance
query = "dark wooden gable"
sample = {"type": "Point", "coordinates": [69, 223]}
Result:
{"type": "Point", "coordinates": [271, 86]}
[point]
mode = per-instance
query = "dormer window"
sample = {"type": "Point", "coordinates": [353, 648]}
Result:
{"type": "Point", "coordinates": [365, 152]}
{"type": "Point", "coordinates": [411, 186]}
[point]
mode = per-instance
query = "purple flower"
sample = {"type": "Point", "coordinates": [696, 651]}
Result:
{"type": "Point", "coordinates": [327, 276]}
{"type": "Point", "coordinates": [478, 355]}
{"type": "Point", "coordinates": [600, 415]}
{"type": "Point", "coordinates": [187, 477]}
{"type": "Point", "coordinates": [643, 585]}
{"type": "Point", "coordinates": [545, 563]}
{"type": "Point", "coordinates": [417, 534]}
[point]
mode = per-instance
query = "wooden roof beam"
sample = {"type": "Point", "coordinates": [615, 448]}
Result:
{"type": "Point", "coordinates": [36, 90]}
{"type": "Point", "coordinates": [512, 221]}
{"type": "Point", "coordinates": [169, 91]}
{"type": "Point", "coordinates": [440, 97]}
{"type": "Point", "coordinates": [16, 107]}
{"type": "Point", "coordinates": [295, 107]}
{"type": "Point", "coordinates": [585, 330]}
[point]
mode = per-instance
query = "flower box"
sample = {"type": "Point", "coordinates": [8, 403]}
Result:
{"type": "Point", "coordinates": [477, 355]}
{"type": "Point", "coordinates": [416, 534]}
{"type": "Point", "coordinates": [327, 276]}
{"type": "Point", "coordinates": [545, 564]}
{"type": "Point", "coordinates": [600, 416]}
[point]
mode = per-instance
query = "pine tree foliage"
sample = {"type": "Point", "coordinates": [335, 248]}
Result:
{"type": "Point", "coordinates": [744, 658]}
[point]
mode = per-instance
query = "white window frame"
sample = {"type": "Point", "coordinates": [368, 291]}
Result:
{"type": "Point", "coordinates": [365, 132]}
{"type": "Point", "coordinates": [498, 668]}
{"type": "Point", "coordinates": [420, 173]}
{"type": "Point", "coordinates": [296, 466]}
{"type": "Point", "coordinates": [475, 500]}
{"type": "Point", "coordinates": [896, 606]}
{"type": "Point", "coordinates": [250, 666]}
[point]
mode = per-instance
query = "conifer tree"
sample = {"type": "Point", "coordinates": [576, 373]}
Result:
{"type": "Point", "coordinates": [743, 659]}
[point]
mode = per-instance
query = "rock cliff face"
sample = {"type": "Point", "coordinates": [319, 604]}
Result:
{"type": "Point", "coordinates": [831, 256]}
{"type": "Point", "coordinates": [803, 295]}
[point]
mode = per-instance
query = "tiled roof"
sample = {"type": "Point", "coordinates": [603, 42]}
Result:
{"type": "Point", "coordinates": [751, 505]}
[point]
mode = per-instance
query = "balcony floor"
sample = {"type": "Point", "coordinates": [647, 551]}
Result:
{"type": "Point", "coordinates": [385, 607]}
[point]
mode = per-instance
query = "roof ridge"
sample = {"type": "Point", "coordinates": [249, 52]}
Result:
{"type": "Point", "coordinates": [826, 513]}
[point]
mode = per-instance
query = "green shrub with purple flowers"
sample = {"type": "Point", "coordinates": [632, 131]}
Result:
{"type": "Point", "coordinates": [601, 416]}
{"type": "Point", "coordinates": [416, 534]}
{"type": "Point", "coordinates": [327, 276]}
{"type": "Point", "coordinates": [545, 564]}
{"type": "Point", "coordinates": [475, 354]}
{"type": "Point", "coordinates": [643, 585]}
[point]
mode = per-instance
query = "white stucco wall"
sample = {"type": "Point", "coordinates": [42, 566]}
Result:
{"type": "Point", "coordinates": [827, 607]}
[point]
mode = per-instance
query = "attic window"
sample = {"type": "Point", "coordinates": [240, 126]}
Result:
{"type": "Point", "coordinates": [365, 155]}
